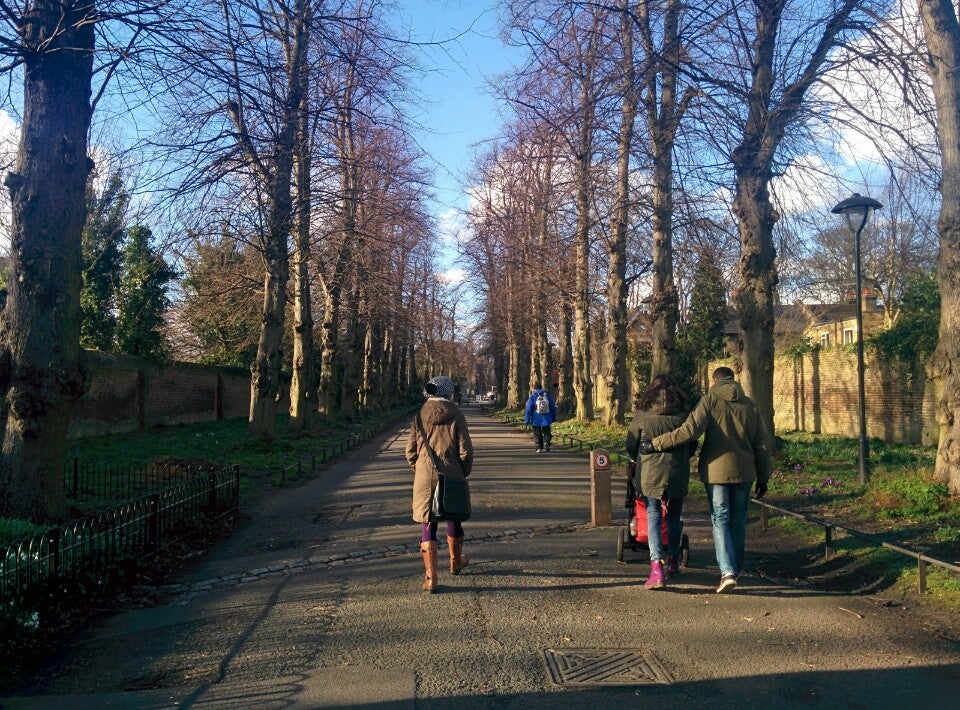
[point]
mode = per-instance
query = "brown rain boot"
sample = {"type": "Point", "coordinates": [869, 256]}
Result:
{"type": "Point", "coordinates": [430, 564]}
{"type": "Point", "coordinates": [458, 560]}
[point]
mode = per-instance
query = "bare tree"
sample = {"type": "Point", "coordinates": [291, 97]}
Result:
{"type": "Point", "coordinates": [41, 369]}
{"type": "Point", "coordinates": [774, 51]}
{"type": "Point", "coordinates": [942, 32]}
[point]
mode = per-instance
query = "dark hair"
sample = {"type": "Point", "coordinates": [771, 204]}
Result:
{"type": "Point", "coordinates": [723, 373]}
{"type": "Point", "coordinates": [674, 397]}
{"type": "Point", "coordinates": [537, 386]}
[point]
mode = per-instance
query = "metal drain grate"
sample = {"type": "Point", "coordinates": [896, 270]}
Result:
{"type": "Point", "coordinates": [605, 667]}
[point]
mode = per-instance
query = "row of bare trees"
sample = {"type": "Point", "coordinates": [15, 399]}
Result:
{"type": "Point", "coordinates": [272, 139]}
{"type": "Point", "coordinates": [648, 133]}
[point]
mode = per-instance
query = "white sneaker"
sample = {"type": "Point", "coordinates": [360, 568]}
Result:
{"type": "Point", "coordinates": [727, 584]}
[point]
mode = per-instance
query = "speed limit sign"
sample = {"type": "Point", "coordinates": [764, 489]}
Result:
{"type": "Point", "coordinates": [601, 460]}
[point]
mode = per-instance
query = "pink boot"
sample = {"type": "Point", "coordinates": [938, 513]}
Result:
{"type": "Point", "coordinates": [656, 580]}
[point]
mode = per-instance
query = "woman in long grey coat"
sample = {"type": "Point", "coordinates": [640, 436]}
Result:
{"type": "Point", "coordinates": [664, 475]}
{"type": "Point", "coordinates": [441, 424]}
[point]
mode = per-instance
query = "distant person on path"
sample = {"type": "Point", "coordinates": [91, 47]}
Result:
{"type": "Point", "coordinates": [733, 459]}
{"type": "Point", "coordinates": [540, 413]}
{"type": "Point", "coordinates": [664, 476]}
{"type": "Point", "coordinates": [441, 425]}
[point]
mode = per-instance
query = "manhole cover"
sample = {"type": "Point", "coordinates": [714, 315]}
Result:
{"type": "Point", "coordinates": [604, 666]}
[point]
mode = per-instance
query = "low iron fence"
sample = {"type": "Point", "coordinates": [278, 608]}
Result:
{"type": "Point", "coordinates": [136, 529]}
{"type": "Point", "coordinates": [86, 480]}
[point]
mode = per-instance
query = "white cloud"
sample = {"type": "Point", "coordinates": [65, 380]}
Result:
{"type": "Point", "coordinates": [808, 185]}
{"type": "Point", "coordinates": [453, 277]}
{"type": "Point", "coordinates": [450, 224]}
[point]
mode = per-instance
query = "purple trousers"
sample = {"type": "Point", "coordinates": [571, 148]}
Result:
{"type": "Point", "coordinates": [428, 531]}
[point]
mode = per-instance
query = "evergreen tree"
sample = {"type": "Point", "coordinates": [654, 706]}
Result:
{"type": "Point", "coordinates": [142, 298]}
{"type": "Point", "coordinates": [701, 339]}
{"type": "Point", "coordinates": [101, 242]}
{"type": "Point", "coordinates": [220, 309]}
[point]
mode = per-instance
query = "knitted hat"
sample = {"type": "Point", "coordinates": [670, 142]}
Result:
{"type": "Point", "coordinates": [439, 386]}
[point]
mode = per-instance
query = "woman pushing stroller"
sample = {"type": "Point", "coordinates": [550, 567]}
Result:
{"type": "Point", "coordinates": [664, 475]}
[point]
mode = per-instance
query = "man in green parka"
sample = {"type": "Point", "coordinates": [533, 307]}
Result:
{"type": "Point", "coordinates": [733, 459]}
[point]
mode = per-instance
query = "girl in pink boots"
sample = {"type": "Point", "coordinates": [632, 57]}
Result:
{"type": "Point", "coordinates": [664, 475]}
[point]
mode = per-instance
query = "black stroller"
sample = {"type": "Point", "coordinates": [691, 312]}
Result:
{"type": "Point", "coordinates": [633, 536]}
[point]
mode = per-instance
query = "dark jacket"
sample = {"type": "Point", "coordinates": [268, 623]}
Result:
{"type": "Point", "coordinates": [446, 430]}
{"type": "Point", "coordinates": [734, 448]}
{"type": "Point", "coordinates": [666, 473]}
{"type": "Point", "coordinates": [530, 415]}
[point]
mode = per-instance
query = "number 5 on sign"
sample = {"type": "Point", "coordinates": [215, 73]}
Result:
{"type": "Point", "coordinates": [601, 460]}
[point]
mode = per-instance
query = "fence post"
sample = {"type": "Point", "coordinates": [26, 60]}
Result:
{"type": "Point", "coordinates": [212, 493]}
{"type": "Point", "coordinates": [153, 523]}
{"type": "Point", "coordinates": [76, 477]}
{"type": "Point", "coordinates": [54, 568]}
{"type": "Point", "coordinates": [828, 542]}
{"type": "Point", "coordinates": [764, 520]}
{"type": "Point", "coordinates": [922, 573]}
{"type": "Point", "coordinates": [235, 502]}
{"type": "Point", "coordinates": [313, 462]}
{"type": "Point", "coordinates": [299, 469]}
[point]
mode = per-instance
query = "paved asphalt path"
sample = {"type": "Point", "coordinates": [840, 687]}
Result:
{"type": "Point", "coordinates": [316, 603]}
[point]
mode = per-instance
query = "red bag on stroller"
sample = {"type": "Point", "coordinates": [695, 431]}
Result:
{"type": "Point", "coordinates": [640, 516]}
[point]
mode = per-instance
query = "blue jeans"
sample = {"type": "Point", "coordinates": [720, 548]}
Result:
{"type": "Point", "coordinates": [654, 527]}
{"type": "Point", "coordinates": [728, 512]}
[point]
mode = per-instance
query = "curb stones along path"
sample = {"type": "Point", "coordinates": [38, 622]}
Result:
{"type": "Point", "coordinates": [316, 602]}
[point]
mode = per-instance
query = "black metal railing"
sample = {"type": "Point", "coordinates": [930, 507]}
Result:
{"type": "Point", "coordinates": [137, 529]}
{"type": "Point", "coordinates": [87, 481]}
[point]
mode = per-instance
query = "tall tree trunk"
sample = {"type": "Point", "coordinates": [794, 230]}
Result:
{"type": "Point", "coordinates": [582, 375]}
{"type": "Point", "coordinates": [517, 375]}
{"type": "Point", "coordinates": [565, 398]}
{"type": "Point", "coordinates": [266, 386]}
{"type": "Point", "coordinates": [327, 388]}
{"type": "Point", "coordinates": [265, 382]}
{"type": "Point", "coordinates": [664, 110]}
{"type": "Point", "coordinates": [942, 32]}
{"type": "Point", "coordinates": [615, 370]}
{"type": "Point", "coordinates": [540, 356]}
{"type": "Point", "coordinates": [303, 379]}
{"type": "Point", "coordinates": [350, 356]}
{"type": "Point", "coordinates": [754, 298]}
{"type": "Point", "coordinates": [753, 159]}
{"type": "Point", "coordinates": [41, 366]}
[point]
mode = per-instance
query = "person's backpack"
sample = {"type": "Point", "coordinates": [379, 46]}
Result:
{"type": "Point", "coordinates": [543, 404]}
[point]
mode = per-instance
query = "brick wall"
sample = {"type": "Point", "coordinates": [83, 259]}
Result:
{"type": "Point", "coordinates": [818, 393]}
{"type": "Point", "coordinates": [126, 394]}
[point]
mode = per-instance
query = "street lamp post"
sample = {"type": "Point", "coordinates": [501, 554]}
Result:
{"type": "Point", "coordinates": [856, 210]}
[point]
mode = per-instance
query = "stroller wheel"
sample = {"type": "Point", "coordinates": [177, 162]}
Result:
{"type": "Point", "coordinates": [621, 534]}
{"type": "Point", "coordinates": [684, 550]}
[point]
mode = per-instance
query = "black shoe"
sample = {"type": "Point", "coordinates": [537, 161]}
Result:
{"type": "Point", "coordinates": [548, 448]}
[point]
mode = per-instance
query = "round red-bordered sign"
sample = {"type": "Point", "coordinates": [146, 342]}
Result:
{"type": "Point", "coordinates": [601, 460]}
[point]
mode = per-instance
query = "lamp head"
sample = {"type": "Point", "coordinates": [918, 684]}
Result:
{"type": "Point", "coordinates": [856, 210]}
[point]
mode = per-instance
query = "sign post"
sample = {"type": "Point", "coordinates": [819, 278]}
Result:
{"type": "Point", "coordinates": [601, 512]}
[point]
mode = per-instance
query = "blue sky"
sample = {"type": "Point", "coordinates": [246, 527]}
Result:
{"type": "Point", "coordinates": [462, 113]}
